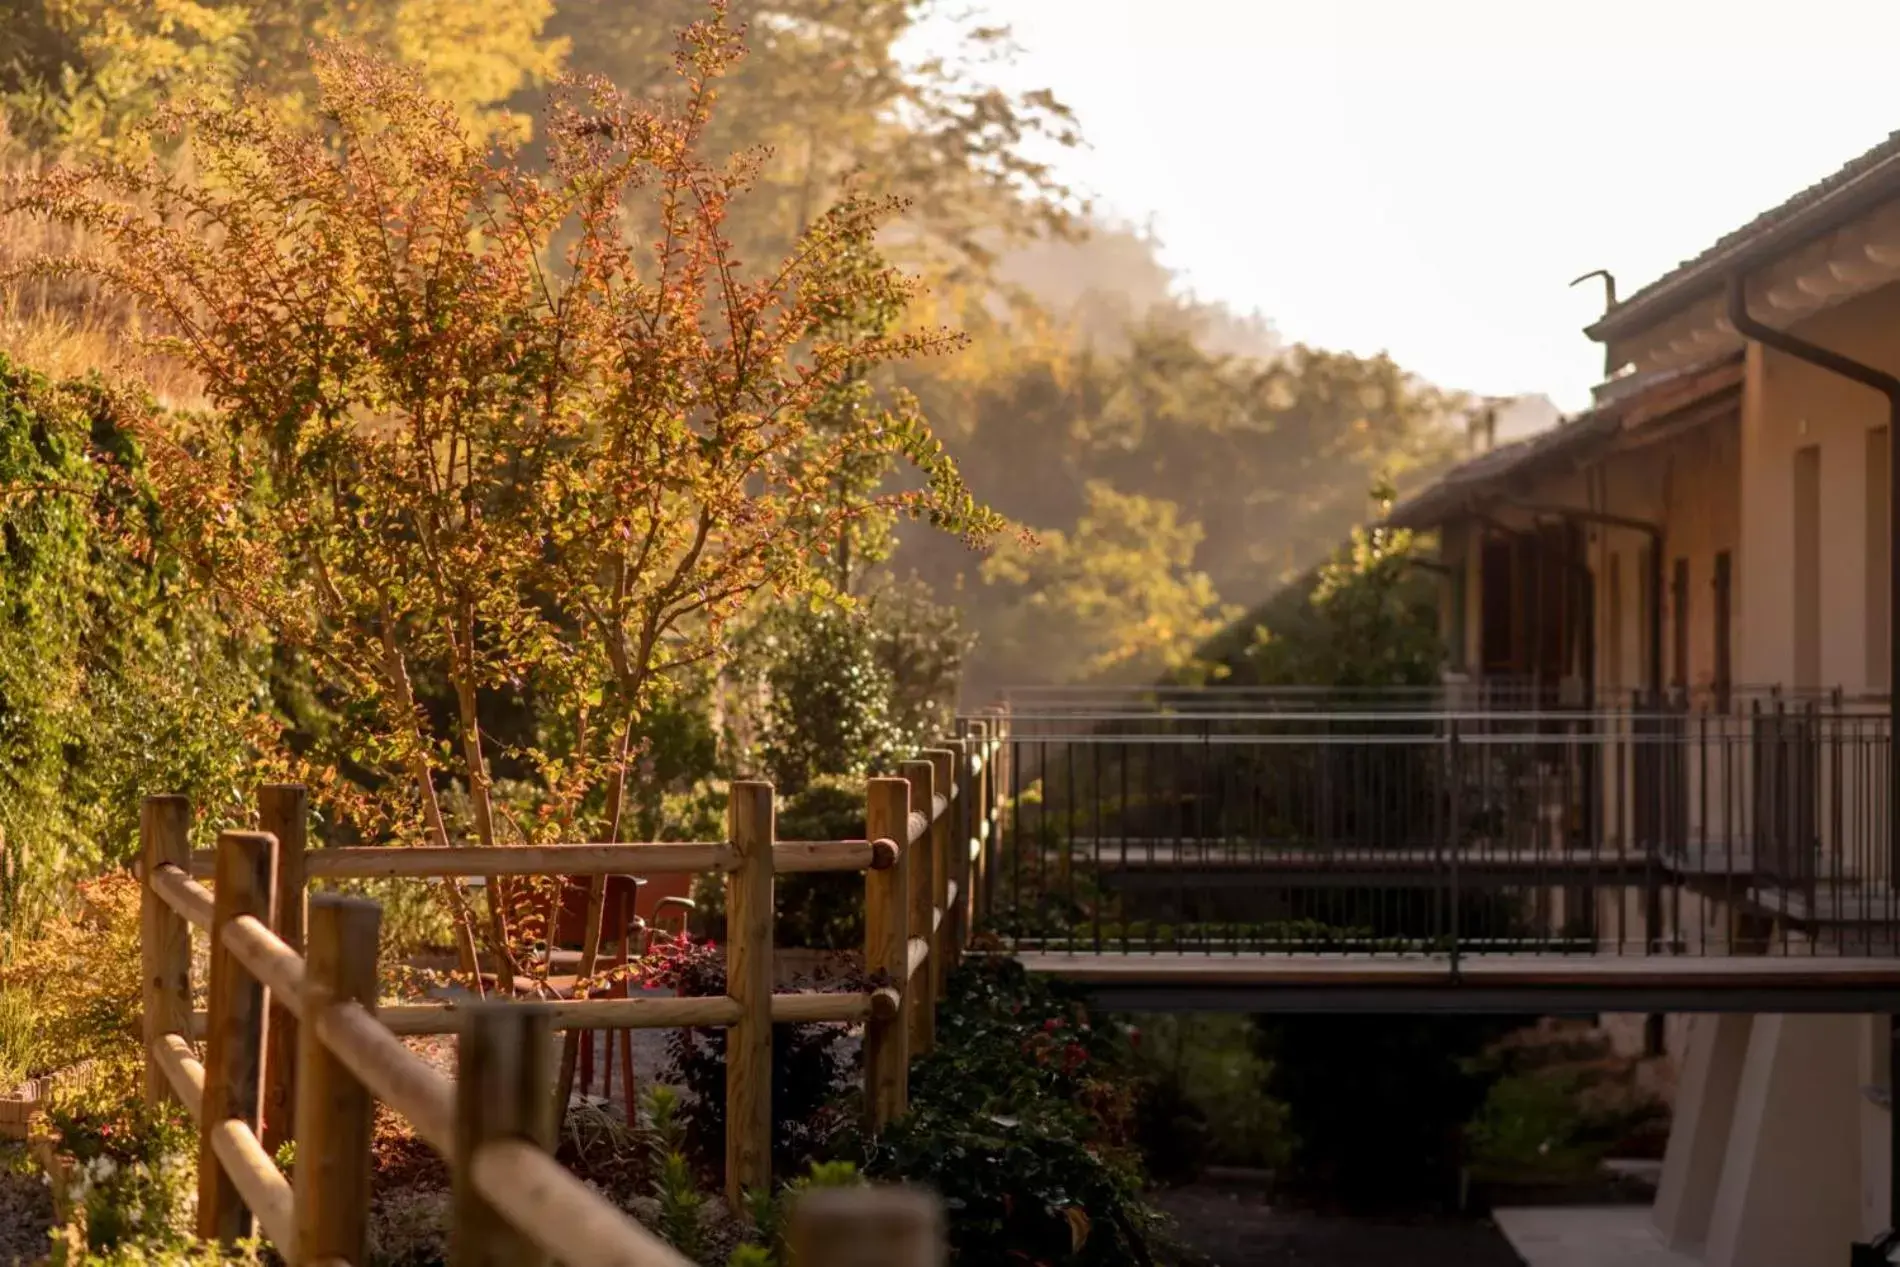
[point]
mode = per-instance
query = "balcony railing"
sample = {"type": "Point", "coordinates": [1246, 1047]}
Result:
{"type": "Point", "coordinates": [1271, 825]}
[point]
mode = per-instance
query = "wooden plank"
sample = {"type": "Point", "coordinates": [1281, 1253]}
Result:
{"type": "Point", "coordinates": [270, 961]}
{"type": "Point", "coordinates": [164, 936]}
{"type": "Point", "coordinates": [886, 949]}
{"type": "Point", "coordinates": [503, 1091]}
{"type": "Point", "coordinates": [394, 1074]}
{"type": "Point", "coordinates": [562, 1215]}
{"type": "Point", "coordinates": [283, 811]}
{"type": "Point", "coordinates": [359, 862]}
{"type": "Point", "coordinates": [234, 1043]}
{"type": "Point", "coordinates": [922, 906]}
{"type": "Point", "coordinates": [335, 1118]}
{"type": "Point", "coordinates": [182, 1071]}
{"type": "Point", "coordinates": [749, 931]}
{"type": "Point", "coordinates": [251, 1171]}
{"type": "Point", "coordinates": [188, 899]}
{"type": "Point", "coordinates": [943, 764]}
{"type": "Point", "coordinates": [867, 1227]}
{"type": "Point", "coordinates": [581, 1014]}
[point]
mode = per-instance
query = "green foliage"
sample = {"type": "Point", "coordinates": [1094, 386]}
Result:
{"type": "Point", "coordinates": [1021, 1120]}
{"type": "Point", "coordinates": [82, 977]}
{"type": "Point", "coordinates": [481, 474]}
{"type": "Point", "coordinates": [1560, 1103]}
{"type": "Point", "coordinates": [1120, 594]}
{"type": "Point", "coordinates": [115, 678]}
{"type": "Point", "coordinates": [92, 73]}
{"type": "Point", "coordinates": [132, 1188]}
{"type": "Point", "coordinates": [1204, 1099]}
{"type": "Point", "coordinates": [1405, 1081]}
{"type": "Point", "coordinates": [853, 690]}
{"type": "Point", "coordinates": [810, 1064]}
{"type": "Point", "coordinates": [831, 94]}
{"type": "Point", "coordinates": [675, 1186]}
{"type": "Point", "coordinates": [822, 910]}
{"type": "Point", "coordinates": [829, 705]}
{"type": "Point", "coordinates": [1251, 469]}
{"type": "Point", "coordinates": [1370, 620]}
{"type": "Point", "coordinates": [770, 1213]}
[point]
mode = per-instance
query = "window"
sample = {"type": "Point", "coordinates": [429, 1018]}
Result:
{"type": "Point", "coordinates": [1807, 566]}
{"type": "Point", "coordinates": [1879, 557]}
{"type": "Point", "coordinates": [1724, 586]}
{"type": "Point", "coordinates": [1679, 619]}
{"type": "Point", "coordinates": [1455, 597]}
{"type": "Point", "coordinates": [1615, 635]}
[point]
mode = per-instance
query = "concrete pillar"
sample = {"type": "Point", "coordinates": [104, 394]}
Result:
{"type": "Point", "coordinates": [1699, 1131]}
{"type": "Point", "coordinates": [1790, 1191]}
{"type": "Point", "coordinates": [1875, 1123]}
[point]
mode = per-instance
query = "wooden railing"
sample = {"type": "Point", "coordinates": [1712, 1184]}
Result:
{"type": "Point", "coordinates": [296, 1046]}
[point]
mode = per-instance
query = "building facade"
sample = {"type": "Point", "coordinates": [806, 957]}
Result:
{"type": "Point", "coordinates": [1713, 541]}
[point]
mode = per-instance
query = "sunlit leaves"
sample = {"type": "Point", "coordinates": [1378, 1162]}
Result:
{"type": "Point", "coordinates": [503, 428]}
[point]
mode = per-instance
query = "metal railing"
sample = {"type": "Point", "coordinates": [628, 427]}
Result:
{"type": "Point", "coordinates": [1678, 829]}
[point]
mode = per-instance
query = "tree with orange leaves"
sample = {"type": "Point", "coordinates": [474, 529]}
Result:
{"type": "Point", "coordinates": [502, 426]}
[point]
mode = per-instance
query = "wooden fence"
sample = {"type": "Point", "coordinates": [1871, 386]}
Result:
{"type": "Point", "coordinates": [296, 1046]}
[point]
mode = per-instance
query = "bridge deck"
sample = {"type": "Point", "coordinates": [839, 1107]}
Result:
{"type": "Point", "coordinates": [1522, 984]}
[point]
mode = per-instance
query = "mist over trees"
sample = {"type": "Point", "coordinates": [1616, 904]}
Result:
{"type": "Point", "coordinates": [1177, 461]}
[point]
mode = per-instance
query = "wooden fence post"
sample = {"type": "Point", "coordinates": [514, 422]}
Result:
{"type": "Point", "coordinates": [164, 936]}
{"type": "Point", "coordinates": [335, 1113]}
{"type": "Point", "coordinates": [866, 1227]}
{"type": "Point", "coordinates": [977, 744]}
{"type": "Point", "coordinates": [235, 1026]}
{"type": "Point", "coordinates": [944, 846]}
{"type": "Point", "coordinates": [503, 1090]}
{"type": "Point", "coordinates": [282, 810]}
{"type": "Point", "coordinates": [886, 952]}
{"type": "Point", "coordinates": [923, 918]}
{"type": "Point", "coordinates": [749, 976]}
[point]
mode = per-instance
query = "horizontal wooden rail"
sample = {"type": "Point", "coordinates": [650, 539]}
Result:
{"type": "Point", "coordinates": [411, 1020]}
{"type": "Point", "coordinates": [184, 895]}
{"type": "Point", "coordinates": [659, 1013]}
{"type": "Point", "coordinates": [789, 856]}
{"type": "Point", "coordinates": [565, 1217]}
{"type": "Point", "coordinates": [344, 1053]}
{"type": "Point", "coordinates": [268, 959]}
{"type": "Point", "coordinates": [393, 1073]}
{"type": "Point", "coordinates": [257, 1179]}
{"type": "Point", "coordinates": [371, 862]}
{"type": "Point", "coordinates": [182, 1069]}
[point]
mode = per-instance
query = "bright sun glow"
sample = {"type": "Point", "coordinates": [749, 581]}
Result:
{"type": "Point", "coordinates": [1427, 177]}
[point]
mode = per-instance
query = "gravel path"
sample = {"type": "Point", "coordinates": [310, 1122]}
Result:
{"type": "Point", "coordinates": [26, 1209]}
{"type": "Point", "coordinates": [1228, 1223]}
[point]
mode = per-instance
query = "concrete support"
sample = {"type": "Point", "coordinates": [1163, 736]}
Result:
{"type": "Point", "coordinates": [1790, 1189]}
{"type": "Point", "coordinates": [1876, 1154]}
{"type": "Point", "coordinates": [1699, 1138]}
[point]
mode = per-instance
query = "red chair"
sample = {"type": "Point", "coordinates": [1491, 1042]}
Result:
{"type": "Point", "coordinates": [625, 937]}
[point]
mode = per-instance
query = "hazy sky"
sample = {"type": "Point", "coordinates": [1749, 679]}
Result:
{"type": "Point", "coordinates": [1424, 176]}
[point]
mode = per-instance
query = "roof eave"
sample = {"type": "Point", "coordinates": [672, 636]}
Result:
{"type": "Point", "coordinates": [1696, 281]}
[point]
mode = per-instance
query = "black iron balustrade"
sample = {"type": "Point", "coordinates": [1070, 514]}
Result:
{"type": "Point", "coordinates": [1678, 828]}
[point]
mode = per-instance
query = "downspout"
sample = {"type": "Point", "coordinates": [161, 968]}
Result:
{"type": "Point", "coordinates": [1887, 385]}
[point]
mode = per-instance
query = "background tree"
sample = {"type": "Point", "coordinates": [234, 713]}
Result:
{"type": "Point", "coordinates": [829, 91]}
{"type": "Point", "coordinates": [1120, 592]}
{"type": "Point", "coordinates": [88, 73]}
